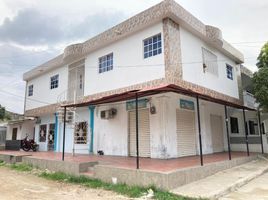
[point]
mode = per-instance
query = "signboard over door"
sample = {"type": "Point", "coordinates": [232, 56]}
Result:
{"type": "Point", "coordinates": [186, 104]}
{"type": "Point", "coordinates": [131, 105]}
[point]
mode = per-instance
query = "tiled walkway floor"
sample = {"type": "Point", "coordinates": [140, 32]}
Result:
{"type": "Point", "coordinates": [130, 162]}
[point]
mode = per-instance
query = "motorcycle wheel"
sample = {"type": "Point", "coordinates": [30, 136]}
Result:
{"type": "Point", "coordinates": [25, 148]}
{"type": "Point", "coordinates": [34, 148]}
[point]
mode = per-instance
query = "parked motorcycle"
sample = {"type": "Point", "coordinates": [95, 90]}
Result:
{"type": "Point", "coordinates": [28, 144]}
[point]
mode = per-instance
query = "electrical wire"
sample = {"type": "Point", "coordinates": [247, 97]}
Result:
{"type": "Point", "coordinates": [47, 51]}
{"type": "Point", "coordinates": [133, 66]}
{"type": "Point", "coordinates": [19, 96]}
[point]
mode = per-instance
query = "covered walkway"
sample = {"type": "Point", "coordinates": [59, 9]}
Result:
{"type": "Point", "coordinates": [158, 165]}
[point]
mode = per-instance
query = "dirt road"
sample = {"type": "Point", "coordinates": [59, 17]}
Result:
{"type": "Point", "coordinates": [19, 186]}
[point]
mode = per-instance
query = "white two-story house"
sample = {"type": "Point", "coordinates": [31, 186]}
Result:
{"type": "Point", "coordinates": [164, 48]}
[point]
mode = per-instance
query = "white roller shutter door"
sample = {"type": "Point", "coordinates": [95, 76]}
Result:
{"type": "Point", "coordinates": [186, 133]}
{"type": "Point", "coordinates": [144, 133]}
{"type": "Point", "coordinates": [216, 123]}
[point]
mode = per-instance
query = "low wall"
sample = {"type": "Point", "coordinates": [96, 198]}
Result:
{"type": "Point", "coordinates": [11, 159]}
{"type": "Point", "coordinates": [14, 145]}
{"type": "Point", "coordinates": [73, 168]}
{"type": "Point", "coordinates": [168, 180]}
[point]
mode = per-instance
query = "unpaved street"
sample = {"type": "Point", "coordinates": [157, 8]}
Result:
{"type": "Point", "coordinates": [20, 186]}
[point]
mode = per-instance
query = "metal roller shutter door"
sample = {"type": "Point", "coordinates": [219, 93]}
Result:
{"type": "Point", "coordinates": [144, 133]}
{"type": "Point", "coordinates": [186, 133]}
{"type": "Point", "coordinates": [216, 123]}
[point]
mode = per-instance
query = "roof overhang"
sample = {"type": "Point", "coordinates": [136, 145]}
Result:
{"type": "Point", "coordinates": [124, 96]}
{"type": "Point", "coordinates": [20, 121]}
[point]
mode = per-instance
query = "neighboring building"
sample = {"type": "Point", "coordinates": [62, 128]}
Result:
{"type": "Point", "coordinates": [3, 132]}
{"type": "Point", "coordinates": [19, 129]}
{"type": "Point", "coordinates": [161, 47]}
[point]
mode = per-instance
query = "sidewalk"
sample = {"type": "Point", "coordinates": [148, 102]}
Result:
{"type": "Point", "coordinates": [221, 183]}
{"type": "Point", "coordinates": [256, 189]}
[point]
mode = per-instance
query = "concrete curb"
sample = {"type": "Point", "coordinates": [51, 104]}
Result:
{"type": "Point", "coordinates": [165, 180]}
{"type": "Point", "coordinates": [239, 183]}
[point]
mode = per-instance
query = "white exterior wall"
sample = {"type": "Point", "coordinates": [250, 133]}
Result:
{"type": "Point", "coordinates": [191, 52]}
{"type": "Point", "coordinates": [82, 114]}
{"type": "Point", "coordinates": [206, 110]}
{"type": "Point", "coordinates": [27, 127]}
{"type": "Point", "coordinates": [42, 91]}
{"type": "Point", "coordinates": [45, 120]}
{"type": "Point", "coordinates": [163, 131]}
{"type": "Point", "coordinates": [129, 65]}
{"type": "Point", "coordinates": [111, 136]}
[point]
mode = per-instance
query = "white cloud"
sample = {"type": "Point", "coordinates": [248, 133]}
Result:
{"type": "Point", "coordinates": [42, 29]}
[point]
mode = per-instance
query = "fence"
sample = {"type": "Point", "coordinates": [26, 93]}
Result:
{"type": "Point", "coordinates": [2, 137]}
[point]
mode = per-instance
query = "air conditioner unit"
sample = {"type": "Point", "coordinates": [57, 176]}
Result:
{"type": "Point", "coordinates": [108, 114]}
{"type": "Point", "coordinates": [69, 116]}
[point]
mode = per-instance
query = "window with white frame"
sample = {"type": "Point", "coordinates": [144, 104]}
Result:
{"type": "Point", "coordinates": [152, 46]}
{"type": "Point", "coordinates": [80, 134]}
{"type": "Point", "coordinates": [54, 82]}
{"type": "Point", "coordinates": [106, 63]}
{"type": "Point", "coordinates": [30, 90]}
{"type": "Point", "coordinates": [229, 72]}
{"type": "Point", "coordinates": [210, 63]}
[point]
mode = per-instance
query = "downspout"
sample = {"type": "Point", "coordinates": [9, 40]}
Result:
{"type": "Point", "coordinates": [56, 133]}
{"type": "Point", "coordinates": [91, 125]}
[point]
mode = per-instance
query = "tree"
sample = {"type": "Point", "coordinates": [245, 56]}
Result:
{"type": "Point", "coordinates": [2, 113]}
{"type": "Point", "coordinates": [260, 78]}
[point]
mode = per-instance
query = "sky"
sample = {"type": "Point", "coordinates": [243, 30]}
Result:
{"type": "Point", "coordinates": [34, 31]}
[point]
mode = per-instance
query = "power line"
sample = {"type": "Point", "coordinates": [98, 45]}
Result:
{"type": "Point", "coordinates": [47, 51]}
{"type": "Point", "coordinates": [24, 55]}
{"type": "Point", "coordinates": [151, 65]}
{"type": "Point", "coordinates": [251, 42]}
{"type": "Point", "coordinates": [19, 96]}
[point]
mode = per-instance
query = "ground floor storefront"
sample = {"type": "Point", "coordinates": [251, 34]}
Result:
{"type": "Point", "coordinates": [168, 124]}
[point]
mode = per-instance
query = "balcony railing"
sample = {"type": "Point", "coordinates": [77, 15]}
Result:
{"type": "Point", "coordinates": [249, 100]}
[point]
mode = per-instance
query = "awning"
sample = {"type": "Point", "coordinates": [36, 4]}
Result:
{"type": "Point", "coordinates": [124, 96]}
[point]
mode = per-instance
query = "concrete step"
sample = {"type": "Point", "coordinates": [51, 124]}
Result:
{"type": "Point", "coordinates": [223, 182]}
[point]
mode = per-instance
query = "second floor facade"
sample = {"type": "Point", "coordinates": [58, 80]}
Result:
{"type": "Point", "coordinates": [170, 46]}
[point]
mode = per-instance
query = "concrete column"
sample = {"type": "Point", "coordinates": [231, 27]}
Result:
{"type": "Point", "coordinates": [163, 128]}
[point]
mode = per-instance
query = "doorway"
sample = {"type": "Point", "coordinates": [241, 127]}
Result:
{"type": "Point", "coordinates": [14, 133]}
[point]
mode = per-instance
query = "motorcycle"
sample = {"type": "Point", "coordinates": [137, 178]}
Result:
{"type": "Point", "coordinates": [28, 144]}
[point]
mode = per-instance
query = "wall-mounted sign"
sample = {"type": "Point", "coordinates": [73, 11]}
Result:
{"type": "Point", "coordinates": [131, 105]}
{"type": "Point", "coordinates": [186, 104]}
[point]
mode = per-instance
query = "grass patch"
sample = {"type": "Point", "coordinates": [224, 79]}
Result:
{"type": "Point", "coordinates": [123, 189]}
{"type": "Point", "coordinates": [21, 167]}
{"type": "Point", "coordinates": [164, 195]}
{"type": "Point", "coordinates": [2, 163]}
